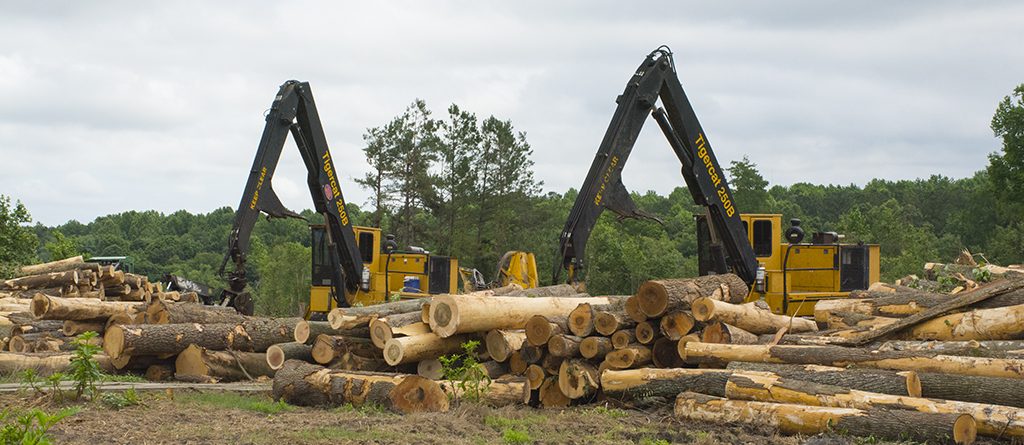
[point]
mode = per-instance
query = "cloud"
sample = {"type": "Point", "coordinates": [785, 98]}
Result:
{"type": "Point", "coordinates": [122, 105]}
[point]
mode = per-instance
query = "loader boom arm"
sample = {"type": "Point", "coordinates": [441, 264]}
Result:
{"type": "Point", "coordinates": [655, 79]}
{"type": "Point", "coordinates": [293, 111]}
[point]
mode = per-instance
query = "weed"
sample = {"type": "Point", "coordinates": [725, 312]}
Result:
{"type": "Point", "coordinates": [472, 380]}
{"type": "Point", "coordinates": [515, 436]}
{"type": "Point", "coordinates": [258, 404]}
{"type": "Point", "coordinates": [30, 427]}
{"type": "Point", "coordinates": [613, 413]}
{"type": "Point", "coordinates": [650, 441]}
{"type": "Point", "coordinates": [118, 401]}
{"type": "Point", "coordinates": [85, 371]}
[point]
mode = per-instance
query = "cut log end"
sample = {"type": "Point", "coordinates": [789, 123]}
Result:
{"type": "Point", "coordinates": [417, 394]}
{"type": "Point", "coordinates": [275, 357]}
{"type": "Point", "coordinates": [39, 306]}
{"type": "Point", "coordinates": [430, 368]}
{"type": "Point", "coordinates": [301, 332]}
{"type": "Point", "coordinates": [965, 429]}
{"type": "Point", "coordinates": [113, 341]}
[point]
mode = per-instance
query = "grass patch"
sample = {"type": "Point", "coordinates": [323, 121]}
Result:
{"type": "Point", "coordinates": [369, 409]}
{"type": "Point", "coordinates": [613, 413]}
{"type": "Point", "coordinates": [259, 404]}
{"type": "Point", "coordinates": [515, 436]}
{"type": "Point", "coordinates": [338, 433]}
{"type": "Point", "coordinates": [501, 423]}
{"type": "Point", "coordinates": [122, 378]}
{"type": "Point", "coordinates": [650, 441]}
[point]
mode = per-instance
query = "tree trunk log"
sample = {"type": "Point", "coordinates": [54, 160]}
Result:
{"type": "Point", "coordinates": [74, 327]}
{"type": "Point", "coordinates": [301, 383]}
{"type": "Point", "coordinates": [564, 346]}
{"type": "Point", "coordinates": [402, 350]}
{"type": "Point", "coordinates": [971, 348]}
{"type": "Point", "coordinates": [167, 312]}
{"type": "Point", "coordinates": [551, 395]}
{"type": "Point", "coordinates": [886, 424]}
{"type": "Point", "coordinates": [646, 331]}
{"type": "Point", "coordinates": [352, 362]}
{"type": "Point", "coordinates": [607, 322]}
{"type": "Point", "coordinates": [1005, 323]}
{"type": "Point", "coordinates": [656, 297]}
{"type": "Point", "coordinates": [430, 368]}
{"type": "Point", "coordinates": [966, 388]}
{"type": "Point", "coordinates": [43, 281]}
{"type": "Point", "coordinates": [578, 379]}
{"type": "Point", "coordinates": [633, 356]}
{"type": "Point", "coordinates": [623, 339]}
{"type": "Point", "coordinates": [581, 319]}
{"type": "Point", "coordinates": [255, 335]}
{"type": "Point", "coordinates": [897, 383]}
{"type": "Point", "coordinates": [159, 373]}
{"type": "Point", "coordinates": [222, 366]}
{"type": "Point", "coordinates": [676, 324]}
{"type": "Point", "coordinates": [535, 375]}
{"type": "Point", "coordinates": [551, 364]}
{"type": "Point", "coordinates": [516, 364]}
{"type": "Point", "coordinates": [385, 328]}
{"type": "Point", "coordinates": [596, 347]}
{"type": "Point", "coordinates": [532, 354]}
{"type": "Point", "coordinates": [855, 320]}
{"type": "Point", "coordinates": [719, 332]}
{"type": "Point", "coordinates": [44, 363]}
{"type": "Point", "coordinates": [841, 356]}
{"type": "Point", "coordinates": [56, 308]}
{"type": "Point", "coordinates": [354, 317]}
{"type": "Point", "coordinates": [327, 348]}
{"type": "Point", "coordinates": [281, 352]}
{"type": "Point", "coordinates": [498, 393]}
{"type": "Point", "coordinates": [307, 331]}
{"type": "Point", "coordinates": [501, 344]}
{"type": "Point", "coordinates": [750, 317]}
{"type": "Point", "coordinates": [662, 384]}
{"type": "Point", "coordinates": [557, 290]}
{"type": "Point", "coordinates": [66, 264]}
{"type": "Point", "coordinates": [540, 329]}
{"type": "Point", "coordinates": [992, 420]}
{"type": "Point", "coordinates": [665, 353]}
{"type": "Point", "coordinates": [632, 308]}
{"type": "Point", "coordinates": [453, 314]}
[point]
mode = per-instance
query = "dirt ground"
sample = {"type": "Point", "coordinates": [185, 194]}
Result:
{"type": "Point", "coordinates": [190, 417]}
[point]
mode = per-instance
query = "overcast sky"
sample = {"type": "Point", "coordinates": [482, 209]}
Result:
{"type": "Point", "coordinates": [113, 106]}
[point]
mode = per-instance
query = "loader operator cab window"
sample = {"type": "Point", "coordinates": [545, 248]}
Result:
{"type": "Point", "coordinates": [322, 270]}
{"type": "Point", "coordinates": [366, 246]}
{"type": "Point", "coordinates": [762, 238]}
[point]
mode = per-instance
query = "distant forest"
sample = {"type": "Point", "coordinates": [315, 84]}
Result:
{"type": "Point", "coordinates": [463, 186]}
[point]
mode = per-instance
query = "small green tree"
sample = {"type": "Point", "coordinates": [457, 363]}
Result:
{"type": "Point", "coordinates": [750, 189]}
{"type": "Point", "coordinates": [61, 247]}
{"type": "Point", "coordinates": [1006, 169]}
{"type": "Point", "coordinates": [472, 380]}
{"type": "Point", "coordinates": [85, 371]}
{"type": "Point", "coordinates": [17, 242]}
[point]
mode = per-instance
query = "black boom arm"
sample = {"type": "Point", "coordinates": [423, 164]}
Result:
{"type": "Point", "coordinates": [293, 111]}
{"type": "Point", "coordinates": [655, 79]}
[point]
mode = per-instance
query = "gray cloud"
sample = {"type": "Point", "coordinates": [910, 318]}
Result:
{"type": "Point", "coordinates": [115, 106]}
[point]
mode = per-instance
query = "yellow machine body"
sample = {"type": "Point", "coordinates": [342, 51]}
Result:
{"type": "Point", "coordinates": [388, 273]}
{"type": "Point", "coordinates": [518, 267]}
{"type": "Point", "coordinates": [810, 272]}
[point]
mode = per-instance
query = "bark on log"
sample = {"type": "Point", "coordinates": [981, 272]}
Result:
{"type": "Point", "coordinates": [987, 348]}
{"type": "Point", "coordinates": [855, 320]}
{"type": "Point", "coordinates": [255, 335]}
{"type": "Point", "coordinates": [596, 347]}
{"type": "Point", "coordinates": [674, 325]}
{"type": "Point", "coordinates": [159, 373]}
{"type": "Point", "coordinates": [633, 356]}
{"type": "Point", "coordinates": [353, 317]}
{"type": "Point", "coordinates": [454, 314]}
{"type": "Point", "coordinates": [961, 300]}
{"type": "Point", "coordinates": [752, 317]}
{"type": "Point", "coordinates": [56, 308]}
{"type": "Point", "coordinates": [564, 346]}
{"type": "Point", "coordinates": [54, 279]}
{"type": "Point", "coordinates": [327, 348]}
{"type": "Point", "coordinates": [578, 379]}
{"type": "Point", "coordinates": [557, 290]}
{"type": "Point", "coordinates": [516, 364]}
{"type": "Point", "coordinates": [167, 312]}
{"type": "Point", "coordinates": [494, 369]}
{"type": "Point", "coordinates": [897, 383]}
{"type": "Point", "coordinates": [841, 356]}
{"type": "Point", "coordinates": [307, 331]}
{"type": "Point", "coordinates": [661, 384]}
{"type": "Point", "coordinates": [501, 344]}
{"type": "Point", "coordinates": [607, 322]}
{"type": "Point", "coordinates": [1005, 323]}
{"type": "Point", "coordinates": [539, 328]}
{"type": "Point", "coordinates": [992, 420]}
{"type": "Point", "coordinates": [646, 331]}
{"type": "Point", "coordinates": [656, 297]}
{"type": "Point", "coordinates": [551, 364]}
{"type": "Point", "coordinates": [385, 328]}
{"type": "Point", "coordinates": [810, 420]}
{"type": "Point", "coordinates": [352, 362]}
{"type": "Point", "coordinates": [75, 327]}
{"type": "Point", "coordinates": [402, 350]}
{"type": "Point", "coordinates": [532, 354]}
{"type": "Point", "coordinates": [965, 388]}
{"type": "Point", "coordinates": [44, 363]}
{"type": "Point", "coordinates": [222, 366]}
{"type": "Point", "coordinates": [281, 352]}
{"type": "Point", "coordinates": [719, 332]}
{"type": "Point", "coordinates": [66, 264]}
{"type": "Point", "coordinates": [301, 383]}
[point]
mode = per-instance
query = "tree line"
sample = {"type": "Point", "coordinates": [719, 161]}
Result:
{"type": "Point", "coordinates": [463, 186]}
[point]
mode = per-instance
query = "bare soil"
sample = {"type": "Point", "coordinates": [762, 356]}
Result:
{"type": "Point", "coordinates": [191, 417]}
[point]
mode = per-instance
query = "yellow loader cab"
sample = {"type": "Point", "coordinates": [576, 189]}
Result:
{"type": "Point", "coordinates": [387, 271]}
{"type": "Point", "coordinates": [793, 275]}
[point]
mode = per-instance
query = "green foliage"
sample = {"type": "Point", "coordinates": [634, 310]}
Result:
{"type": "Point", "coordinates": [117, 401]}
{"type": "Point", "coordinates": [17, 241]}
{"type": "Point", "coordinates": [61, 247]}
{"type": "Point", "coordinates": [229, 400]}
{"type": "Point", "coordinates": [1007, 168]}
{"type": "Point", "coordinates": [471, 378]}
{"type": "Point", "coordinates": [85, 371]}
{"type": "Point", "coordinates": [515, 436]}
{"type": "Point", "coordinates": [30, 427]}
{"type": "Point", "coordinates": [749, 188]}
{"type": "Point", "coordinates": [284, 277]}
